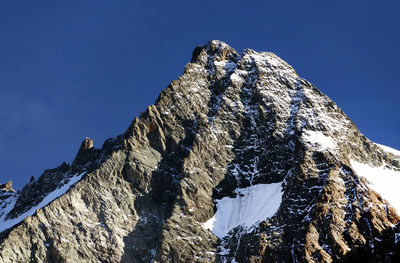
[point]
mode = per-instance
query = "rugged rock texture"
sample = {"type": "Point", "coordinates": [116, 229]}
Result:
{"type": "Point", "coordinates": [230, 121]}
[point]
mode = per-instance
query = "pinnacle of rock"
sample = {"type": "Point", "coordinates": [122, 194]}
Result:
{"type": "Point", "coordinates": [7, 187]}
{"type": "Point", "coordinates": [86, 144]}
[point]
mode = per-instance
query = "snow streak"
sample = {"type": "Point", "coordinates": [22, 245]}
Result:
{"type": "Point", "coordinates": [8, 223]}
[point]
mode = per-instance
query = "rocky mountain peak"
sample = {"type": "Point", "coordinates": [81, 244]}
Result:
{"type": "Point", "coordinates": [239, 160]}
{"type": "Point", "coordinates": [7, 187]}
{"type": "Point", "coordinates": [86, 144]}
{"type": "Point", "coordinates": [216, 49]}
{"type": "Point", "coordinates": [86, 154]}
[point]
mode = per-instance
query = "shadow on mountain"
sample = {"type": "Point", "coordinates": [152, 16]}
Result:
{"type": "Point", "coordinates": [262, 156]}
{"type": "Point", "coordinates": [155, 206]}
{"type": "Point", "coordinates": [387, 250]}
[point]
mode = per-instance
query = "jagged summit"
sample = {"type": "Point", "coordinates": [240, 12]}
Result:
{"type": "Point", "coordinates": [239, 160]}
{"type": "Point", "coordinates": [86, 144]}
{"type": "Point", "coordinates": [213, 48]}
{"type": "Point", "coordinates": [7, 187]}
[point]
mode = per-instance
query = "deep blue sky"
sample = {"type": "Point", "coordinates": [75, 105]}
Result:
{"type": "Point", "coordinates": [71, 69]}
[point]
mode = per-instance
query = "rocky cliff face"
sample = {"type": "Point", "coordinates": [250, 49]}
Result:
{"type": "Point", "coordinates": [239, 160]}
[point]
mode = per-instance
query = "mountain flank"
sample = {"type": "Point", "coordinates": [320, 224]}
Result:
{"type": "Point", "coordinates": [239, 160]}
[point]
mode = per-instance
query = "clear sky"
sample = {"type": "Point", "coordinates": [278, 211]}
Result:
{"type": "Point", "coordinates": [71, 69]}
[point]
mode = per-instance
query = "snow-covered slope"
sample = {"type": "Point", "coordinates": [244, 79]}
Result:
{"type": "Point", "coordinates": [381, 179]}
{"type": "Point", "coordinates": [389, 149]}
{"type": "Point", "coordinates": [6, 223]}
{"type": "Point", "coordinates": [251, 205]}
{"type": "Point", "coordinates": [6, 205]}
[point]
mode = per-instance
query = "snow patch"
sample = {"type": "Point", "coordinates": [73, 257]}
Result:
{"type": "Point", "coordinates": [236, 78]}
{"type": "Point", "coordinates": [389, 149]}
{"type": "Point", "coordinates": [227, 66]}
{"type": "Point", "coordinates": [251, 205]}
{"type": "Point", "coordinates": [5, 224]}
{"type": "Point", "coordinates": [384, 181]}
{"type": "Point", "coordinates": [153, 255]}
{"type": "Point", "coordinates": [319, 139]}
{"type": "Point", "coordinates": [396, 238]}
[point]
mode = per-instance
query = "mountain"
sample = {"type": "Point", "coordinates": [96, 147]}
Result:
{"type": "Point", "coordinates": [239, 160]}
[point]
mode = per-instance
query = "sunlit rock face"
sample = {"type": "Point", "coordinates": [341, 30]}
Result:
{"type": "Point", "coordinates": [239, 160]}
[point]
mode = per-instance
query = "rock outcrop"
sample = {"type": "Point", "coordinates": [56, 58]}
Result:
{"type": "Point", "coordinates": [229, 124]}
{"type": "Point", "coordinates": [7, 187]}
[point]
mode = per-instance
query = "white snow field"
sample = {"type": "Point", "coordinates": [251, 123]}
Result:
{"type": "Point", "coordinates": [5, 224]}
{"type": "Point", "coordinates": [251, 205]}
{"type": "Point", "coordinates": [385, 182]}
{"type": "Point", "coordinates": [389, 149]}
{"type": "Point", "coordinates": [319, 139]}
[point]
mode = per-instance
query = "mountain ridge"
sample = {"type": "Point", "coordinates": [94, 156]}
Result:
{"type": "Point", "coordinates": [230, 122]}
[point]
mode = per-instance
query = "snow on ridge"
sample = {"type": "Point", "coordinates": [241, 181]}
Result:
{"type": "Point", "coordinates": [8, 205]}
{"type": "Point", "coordinates": [319, 139]}
{"type": "Point", "coordinates": [251, 205]}
{"type": "Point", "coordinates": [385, 182]}
{"type": "Point", "coordinates": [5, 224]}
{"type": "Point", "coordinates": [228, 66]}
{"type": "Point", "coordinates": [388, 149]}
